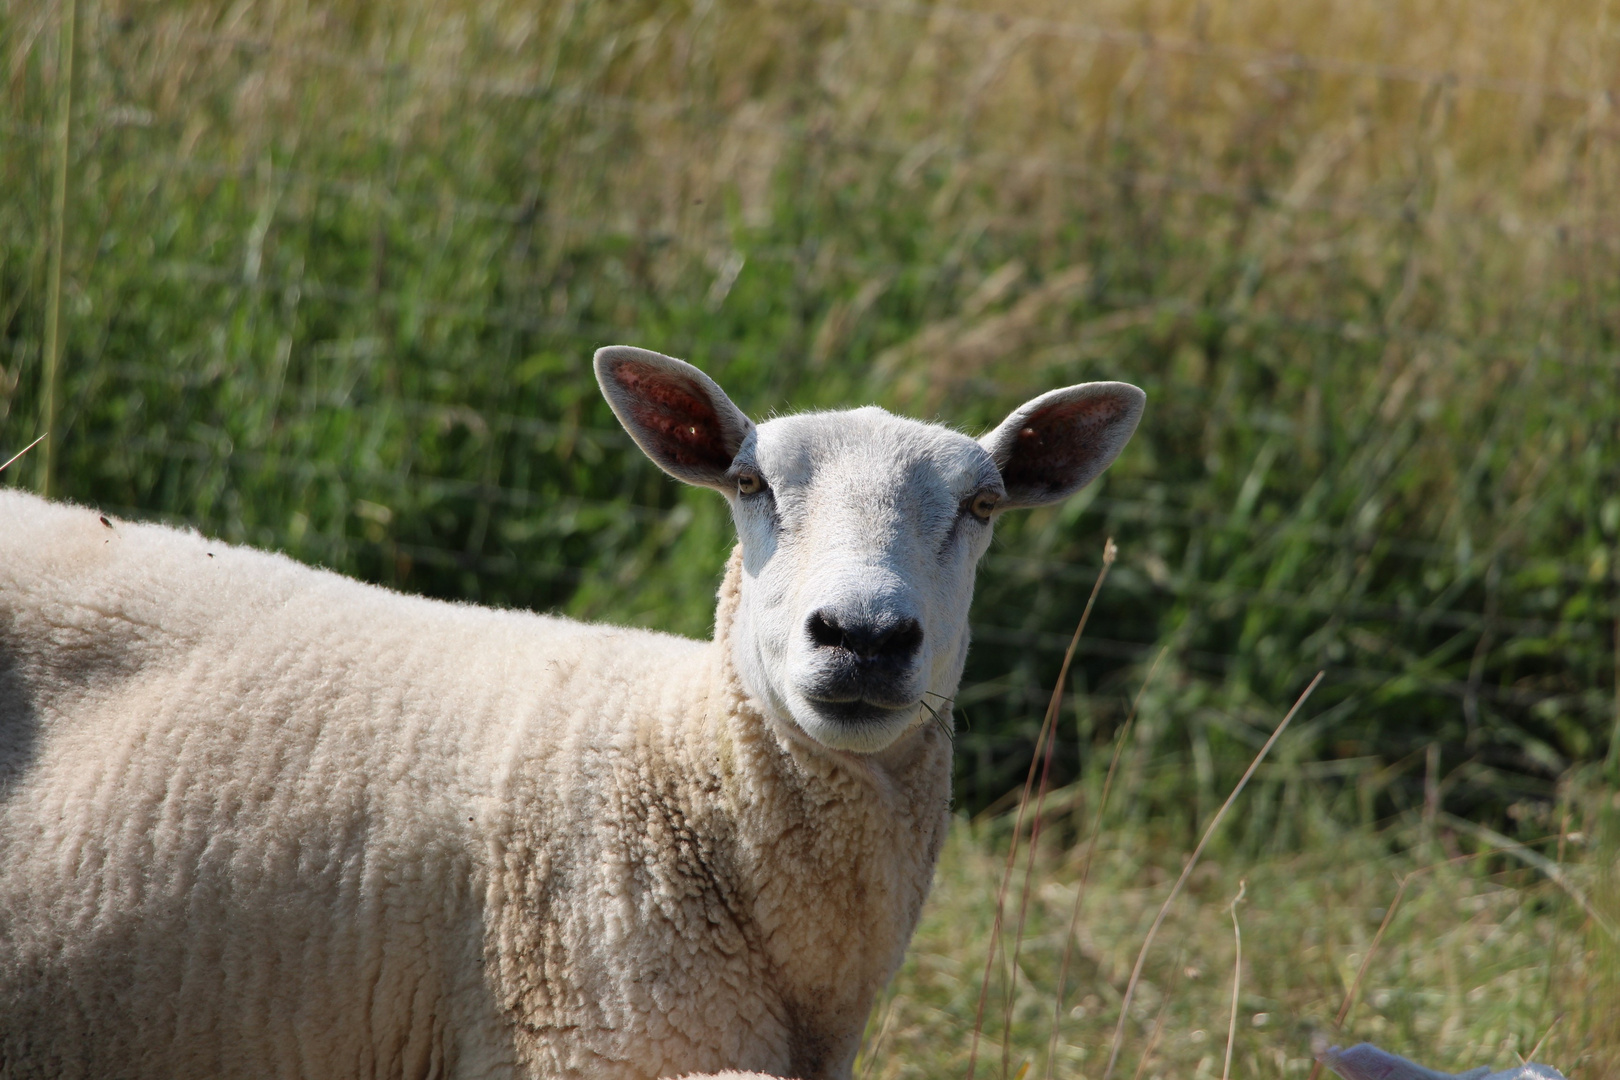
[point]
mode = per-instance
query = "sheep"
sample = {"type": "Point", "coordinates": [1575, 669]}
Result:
{"type": "Point", "coordinates": [258, 819]}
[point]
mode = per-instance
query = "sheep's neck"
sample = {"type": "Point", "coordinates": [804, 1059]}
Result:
{"type": "Point", "coordinates": [838, 852]}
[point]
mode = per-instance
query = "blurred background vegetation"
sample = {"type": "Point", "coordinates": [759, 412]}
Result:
{"type": "Point", "coordinates": [331, 275]}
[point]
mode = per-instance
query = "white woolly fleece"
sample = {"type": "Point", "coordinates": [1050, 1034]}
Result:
{"type": "Point", "coordinates": [261, 820]}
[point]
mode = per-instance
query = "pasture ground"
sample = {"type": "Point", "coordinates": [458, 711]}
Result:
{"type": "Point", "coordinates": [1483, 958]}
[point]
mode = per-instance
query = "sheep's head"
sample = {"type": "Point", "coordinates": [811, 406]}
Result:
{"type": "Point", "coordinates": [860, 530]}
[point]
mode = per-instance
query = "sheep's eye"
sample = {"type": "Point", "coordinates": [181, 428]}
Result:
{"type": "Point", "coordinates": [983, 505]}
{"type": "Point", "coordinates": [750, 482]}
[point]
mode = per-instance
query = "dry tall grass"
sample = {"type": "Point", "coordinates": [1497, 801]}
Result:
{"type": "Point", "coordinates": [1352, 122]}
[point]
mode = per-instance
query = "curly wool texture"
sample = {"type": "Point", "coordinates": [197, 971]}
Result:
{"type": "Point", "coordinates": [258, 819]}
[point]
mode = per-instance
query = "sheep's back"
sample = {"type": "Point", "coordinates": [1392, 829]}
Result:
{"type": "Point", "coordinates": [244, 804]}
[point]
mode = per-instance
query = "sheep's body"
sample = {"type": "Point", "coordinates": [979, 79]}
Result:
{"type": "Point", "coordinates": [258, 819]}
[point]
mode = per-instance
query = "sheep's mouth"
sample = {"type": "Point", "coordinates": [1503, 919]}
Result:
{"type": "Point", "coordinates": [854, 724]}
{"type": "Point", "coordinates": [858, 711]}
{"type": "Point", "coordinates": [862, 688]}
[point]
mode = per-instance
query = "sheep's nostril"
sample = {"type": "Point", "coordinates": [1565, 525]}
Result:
{"type": "Point", "coordinates": [868, 641]}
{"type": "Point", "coordinates": [825, 631]}
{"type": "Point", "coordinates": [901, 642]}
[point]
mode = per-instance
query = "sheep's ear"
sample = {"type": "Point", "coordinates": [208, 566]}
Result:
{"type": "Point", "coordinates": [1051, 447]}
{"type": "Point", "coordinates": [678, 416]}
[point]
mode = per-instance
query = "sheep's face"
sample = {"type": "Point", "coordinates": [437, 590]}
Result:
{"type": "Point", "coordinates": [860, 532]}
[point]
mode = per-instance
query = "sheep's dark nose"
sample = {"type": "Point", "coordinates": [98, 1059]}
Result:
{"type": "Point", "coordinates": [898, 639]}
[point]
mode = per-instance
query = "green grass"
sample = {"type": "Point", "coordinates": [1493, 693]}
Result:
{"type": "Point", "coordinates": [1482, 959]}
{"type": "Point", "coordinates": [333, 273]}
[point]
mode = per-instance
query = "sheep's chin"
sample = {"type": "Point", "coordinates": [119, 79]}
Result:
{"type": "Point", "coordinates": [859, 728]}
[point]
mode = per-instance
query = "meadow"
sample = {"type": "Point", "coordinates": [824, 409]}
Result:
{"type": "Point", "coordinates": [1480, 963]}
{"type": "Point", "coordinates": [326, 277]}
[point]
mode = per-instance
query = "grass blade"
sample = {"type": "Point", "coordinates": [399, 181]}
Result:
{"type": "Point", "coordinates": [1091, 850]}
{"type": "Point", "coordinates": [1042, 739]}
{"type": "Point", "coordinates": [1237, 978]}
{"type": "Point", "coordinates": [1186, 871]}
{"type": "Point", "coordinates": [14, 458]}
{"type": "Point", "coordinates": [1366, 962]}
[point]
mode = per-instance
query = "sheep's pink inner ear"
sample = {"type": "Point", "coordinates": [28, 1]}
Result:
{"type": "Point", "coordinates": [677, 417]}
{"type": "Point", "coordinates": [1060, 442]}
